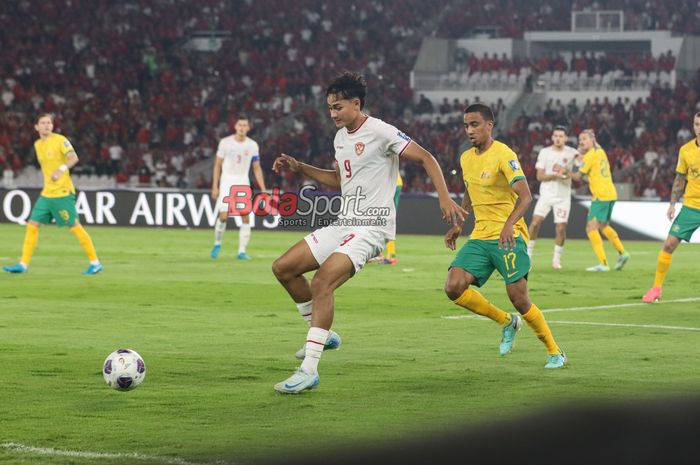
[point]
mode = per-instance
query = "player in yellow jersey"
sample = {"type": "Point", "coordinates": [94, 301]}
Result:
{"type": "Point", "coordinates": [390, 256]}
{"type": "Point", "coordinates": [498, 195]}
{"type": "Point", "coordinates": [687, 184]}
{"type": "Point", "coordinates": [596, 171]}
{"type": "Point", "coordinates": [57, 200]}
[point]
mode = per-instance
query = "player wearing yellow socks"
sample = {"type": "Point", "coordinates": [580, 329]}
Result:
{"type": "Point", "coordinates": [498, 195]}
{"type": "Point", "coordinates": [686, 184]}
{"type": "Point", "coordinates": [57, 200]}
{"type": "Point", "coordinates": [596, 171]}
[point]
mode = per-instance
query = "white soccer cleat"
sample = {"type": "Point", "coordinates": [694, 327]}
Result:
{"type": "Point", "coordinates": [299, 382]}
{"type": "Point", "coordinates": [556, 265]}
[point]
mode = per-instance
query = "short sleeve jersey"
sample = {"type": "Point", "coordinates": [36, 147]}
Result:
{"type": "Point", "coordinates": [600, 181]}
{"type": "Point", "coordinates": [52, 153]}
{"type": "Point", "coordinates": [551, 160]}
{"type": "Point", "coordinates": [489, 177]}
{"type": "Point", "coordinates": [689, 164]}
{"type": "Point", "coordinates": [368, 161]}
{"type": "Point", "coordinates": [237, 158]}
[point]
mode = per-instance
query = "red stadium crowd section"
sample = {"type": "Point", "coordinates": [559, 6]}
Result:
{"type": "Point", "coordinates": [134, 102]}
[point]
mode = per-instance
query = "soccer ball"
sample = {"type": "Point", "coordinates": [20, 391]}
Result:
{"type": "Point", "coordinates": [124, 369]}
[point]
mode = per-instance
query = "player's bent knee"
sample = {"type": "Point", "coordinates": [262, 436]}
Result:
{"type": "Point", "coordinates": [455, 288]}
{"type": "Point", "coordinates": [281, 272]}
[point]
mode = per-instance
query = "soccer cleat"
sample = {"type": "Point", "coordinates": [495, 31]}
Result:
{"type": "Point", "coordinates": [243, 256]}
{"type": "Point", "coordinates": [93, 269]}
{"type": "Point", "coordinates": [598, 268]}
{"type": "Point", "coordinates": [652, 295]}
{"type": "Point", "coordinates": [556, 265]}
{"type": "Point", "coordinates": [18, 268]}
{"type": "Point", "coordinates": [332, 343]}
{"type": "Point", "coordinates": [299, 382]}
{"type": "Point", "coordinates": [215, 251]}
{"type": "Point", "coordinates": [509, 333]}
{"type": "Point", "coordinates": [556, 360]}
{"type": "Point", "coordinates": [390, 261]}
{"type": "Point", "coordinates": [622, 259]}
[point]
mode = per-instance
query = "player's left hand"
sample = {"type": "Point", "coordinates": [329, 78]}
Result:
{"type": "Point", "coordinates": [506, 240]}
{"type": "Point", "coordinates": [55, 175]}
{"type": "Point", "coordinates": [451, 237]}
{"type": "Point", "coordinates": [453, 213]}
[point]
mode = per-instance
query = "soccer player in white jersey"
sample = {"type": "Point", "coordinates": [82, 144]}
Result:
{"type": "Point", "coordinates": [367, 152]}
{"type": "Point", "coordinates": [554, 163]}
{"type": "Point", "coordinates": [234, 157]}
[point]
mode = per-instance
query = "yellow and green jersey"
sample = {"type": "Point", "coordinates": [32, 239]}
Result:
{"type": "Point", "coordinates": [489, 177]}
{"type": "Point", "coordinates": [52, 153]}
{"type": "Point", "coordinates": [600, 181]}
{"type": "Point", "coordinates": [689, 164]}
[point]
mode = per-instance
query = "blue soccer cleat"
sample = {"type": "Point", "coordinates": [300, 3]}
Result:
{"type": "Point", "coordinates": [598, 268]}
{"type": "Point", "coordinates": [556, 361]}
{"type": "Point", "coordinates": [299, 382]}
{"type": "Point", "coordinates": [509, 333]}
{"type": "Point", "coordinates": [93, 269]}
{"type": "Point", "coordinates": [18, 268]}
{"type": "Point", "coordinates": [215, 251]}
{"type": "Point", "coordinates": [622, 259]}
{"type": "Point", "coordinates": [243, 256]}
{"type": "Point", "coordinates": [332, 343]}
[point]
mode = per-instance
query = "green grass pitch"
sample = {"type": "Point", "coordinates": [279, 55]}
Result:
{"type": "Point", "coordinates": [217, 334]}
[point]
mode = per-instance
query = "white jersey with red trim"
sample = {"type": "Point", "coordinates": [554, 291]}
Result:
{"type": "Point", "coordinates": [551, 160]}
{"type": "Point", "coordinates": [237, 157]}
{"type": "Point", "coordinates": [368, 159]}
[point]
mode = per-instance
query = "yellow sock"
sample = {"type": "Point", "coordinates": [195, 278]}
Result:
{"type": "Point", "coordinates": [597, 243]}
{"type": "Point", "coordinates": [85, 241]}
{"type": "Point", "coordinates": [535, 319]}
{"type": "Point", "coordinates": [390, 249]}
{"type": "Point", "coordinates": [31, 238]}
{"type": "Point", "coordinates": [472, 300]}
{"type": "Point", "coordinates": [662, 266]}
{"type": "Point", "coordinates": [614, 239]}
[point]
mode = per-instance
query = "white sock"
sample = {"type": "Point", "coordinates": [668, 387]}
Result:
{"type": "Point", "coordinates": [243, 237]}
{"type": "Point", "coordinates": [530, 248]}
{"type": "Point", "coordinates": [94, 262]}
{"type": "Point", "coordinates": [315, 340]}
{"type": "Point", "coordinates": [558, 249]}
{"type": "Point", "coordinates": [305, 311]}
{"type": "Point", "coordinates": [219, 229]}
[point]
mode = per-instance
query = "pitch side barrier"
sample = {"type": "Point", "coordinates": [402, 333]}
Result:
{"type": "Point", "coordinates": [418, 213]}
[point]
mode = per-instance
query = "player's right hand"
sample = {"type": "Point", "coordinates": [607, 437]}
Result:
{"type": "Point", "coordinates": [284, 161]}
{"type": "Point", "coordinates": [453, 213]}
{"type": "Point", "coordinates": [451, 237]}
{"type": "Point", "coordinates": [214, 193]}
{"type": "Point", "coordinates": [671, 212]}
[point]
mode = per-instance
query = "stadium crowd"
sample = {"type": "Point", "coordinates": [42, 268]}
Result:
{"type": "Point", "coordinates": [141, 104]}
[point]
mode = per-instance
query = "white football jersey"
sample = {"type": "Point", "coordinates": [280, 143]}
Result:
{"type": "Point", "coordinates": [237, 158]}
{"type": "Point", "coordinates": [368, 160]}
{"type": "Point", "coordinates": [551, 160]}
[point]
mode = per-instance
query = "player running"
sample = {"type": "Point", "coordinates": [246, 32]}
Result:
{"type": "Point", "coordinates": [554, 163]}
{"type": "Point", "coordinates": [56, 157]}
{"type": "Point", "coordinates": [234, 157]}
{"type": "Point", "coordinates": [498, 195]}
{"type": "Point", "coordinates": [687, 184]}
{"type": "Point", "coordinates": [367, 152]}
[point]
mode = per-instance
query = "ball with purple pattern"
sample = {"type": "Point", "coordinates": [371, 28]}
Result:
{"type": "Point", "coordinates": [124, 370]}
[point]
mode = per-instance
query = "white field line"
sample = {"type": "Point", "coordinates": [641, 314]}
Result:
{"type": "Point", "coordinates": [591, 323]}
{"type": "Point", "coordinates": [581, 309]}
{"type": "Point", "coordinates": [13, 446]}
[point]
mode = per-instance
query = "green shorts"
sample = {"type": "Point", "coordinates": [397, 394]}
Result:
{"type": "Point", "coordinates": [61, 209]}
{"type": "Point", "coordinates": [397, 196]}
{"type": "Point", "coordinates": [685, 224]}
{"type": "Point", "coordinates": [601, 210]}
{"type": "Point", "coordinates": [481, 257]}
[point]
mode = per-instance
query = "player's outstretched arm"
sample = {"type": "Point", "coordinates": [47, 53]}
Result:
{"type": "Point", "coordinates": [330, 178]}
{"type": "Point", "coordinates": [451, 212]}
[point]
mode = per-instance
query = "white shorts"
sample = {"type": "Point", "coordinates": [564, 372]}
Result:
{"type": "Point", "coordinates": [358, 243]}
{"type": "Point", "coordinates": [225, 189]}
{"type": "Point", "coordinates": [561, 207]}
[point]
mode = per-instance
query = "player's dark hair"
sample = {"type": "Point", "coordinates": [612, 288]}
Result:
{"type": "Point", "coordinates": [348, 85]}
{"type": "Point", "coordinates": [242, 117]}
{"type": "Point", "coordinates": [697, 115]}
{"type": "Point", "coordinates": [561, 127]}
{"type": "Point", "coordinates": [483, 110]}
{"type": "Point", "coordinates": [44, 114]}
